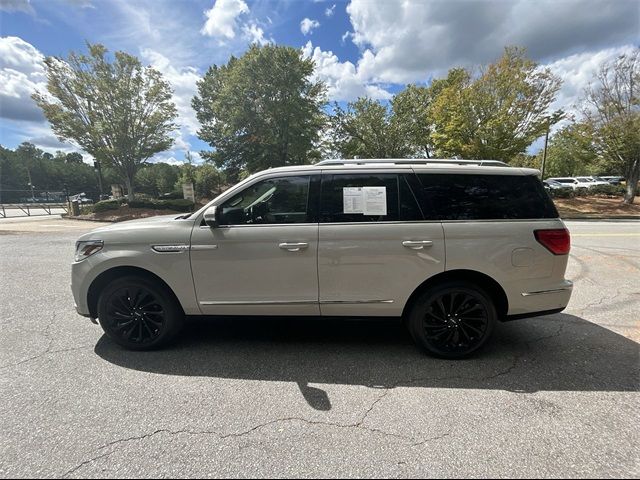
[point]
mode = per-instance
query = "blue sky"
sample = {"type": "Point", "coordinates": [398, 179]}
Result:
{"type": "Point", "coordinates": [361, 47]}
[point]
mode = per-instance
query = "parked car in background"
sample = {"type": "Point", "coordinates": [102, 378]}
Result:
{"type": "Point", "coordinates": [573, 182]}
{"type": "Point", "coordinates": [553, 185]}
{"type": "Point", "coordinates": [81, 198]}
{"type": "Point", "coordinates": [595, 181]}
{"type": "Point", "coordinates": [613, 180]}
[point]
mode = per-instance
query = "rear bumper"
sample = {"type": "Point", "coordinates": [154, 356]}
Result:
{"type": "Point", "coordinates": [539, 298]}
{"type": "Point", "coordinates": [510, 318]}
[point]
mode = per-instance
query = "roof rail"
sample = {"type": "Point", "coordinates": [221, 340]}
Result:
{"type": "Point", "coordinates": [412, 161]}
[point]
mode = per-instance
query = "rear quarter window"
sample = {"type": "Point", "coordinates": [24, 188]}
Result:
{"type": "Point", "coordinates": [484, 197]}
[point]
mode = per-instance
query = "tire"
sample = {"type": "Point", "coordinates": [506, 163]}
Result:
{"type": "Point", "coordinates": [452, 320]}
{"type": "Point", "coordinates": [149, 308]}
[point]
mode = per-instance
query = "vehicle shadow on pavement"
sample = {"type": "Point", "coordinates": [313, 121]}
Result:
{"type": "Point", "coordinates": [554, 353]}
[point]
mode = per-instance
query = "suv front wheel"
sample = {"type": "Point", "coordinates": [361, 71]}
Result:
{"type": "Point", "coordinates": [139, 314]}
{"type": "Point", "coordinates": [452, 320]}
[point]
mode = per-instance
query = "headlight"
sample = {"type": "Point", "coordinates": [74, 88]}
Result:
{"type": "Point", "coordinates": [87, 248]}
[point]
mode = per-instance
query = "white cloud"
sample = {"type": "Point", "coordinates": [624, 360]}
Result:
{"type": "Point", "coordinates": [183, 82]}
{"type": "Point", "coordinates": [307, 26]}
{"type": "Point", "coordinates": [222, 18]}
{"type": "Point", "coordinates": [407, 41]}
{"type": "Point", "coordinates": [329, 11]}
{"type": "Point", "coordinates": [577, 71]}
{"type": "Point", "coordinates": [342, 78]}
{"type": "Point", "coordinates": [21, 74]}
{"type": "Point", "coordinates": [16, 6]}
{"type": "Point", "coordinates": [254, 34]}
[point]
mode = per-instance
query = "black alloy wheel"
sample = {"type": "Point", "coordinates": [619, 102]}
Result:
{"type": "Point", "coordinates": [138, 314]}
{"type": "Point", "coordinates": [453, 320]}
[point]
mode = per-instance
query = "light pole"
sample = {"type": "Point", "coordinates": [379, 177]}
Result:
{"type": "Point", "coordinates": [96, 165]}
{"type": "Point", "coordinates": [544, 155]}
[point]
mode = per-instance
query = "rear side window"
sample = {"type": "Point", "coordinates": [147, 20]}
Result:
{"type": "Point", "coordinates": [484, 197]}
{"type": "Point", "coordinates": [367, 198]}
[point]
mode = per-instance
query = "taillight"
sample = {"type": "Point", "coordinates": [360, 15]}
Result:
{"type": "Point", "coordinates": [557, 241]}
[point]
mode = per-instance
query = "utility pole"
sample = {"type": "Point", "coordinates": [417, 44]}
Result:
{"type": "Point", "coordinates": [96, 165]}
{"type": "Point", "coordinates": [544, 156]}
{"type": "Point", "coordinates": [33, 197]}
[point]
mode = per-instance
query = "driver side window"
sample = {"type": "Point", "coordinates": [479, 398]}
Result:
{"type": "Point", "coordinates": [272, 201]}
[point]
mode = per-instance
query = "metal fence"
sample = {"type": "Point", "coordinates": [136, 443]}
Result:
{"type": "Point", "coordinates": [43, 196]}
{"type": "Point", "coordinates": [27, 203]}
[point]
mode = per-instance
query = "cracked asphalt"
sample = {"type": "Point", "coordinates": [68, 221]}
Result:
{"type": "Point", "coordinates": [553, 396]}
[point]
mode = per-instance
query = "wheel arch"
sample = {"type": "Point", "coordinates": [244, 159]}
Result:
{"type": "Point", "coordinates": [113, 273]}
{"type": "Point", "coordinates": [482, 280]}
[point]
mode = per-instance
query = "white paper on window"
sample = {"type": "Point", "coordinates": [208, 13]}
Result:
{"type": "Point", "coordinates": [353, 200]}
{"type": "Point", "coordinates": [375, 200]}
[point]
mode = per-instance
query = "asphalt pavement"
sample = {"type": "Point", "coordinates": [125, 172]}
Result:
{"type": "Point", "coordinates": [553, 396]}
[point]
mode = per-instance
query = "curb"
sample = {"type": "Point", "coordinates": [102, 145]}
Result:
{"type": "Point", "coordinates": [89, 220]}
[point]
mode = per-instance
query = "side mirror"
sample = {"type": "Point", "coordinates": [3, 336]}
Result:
{"type": "Point", "coordinates": [212, 216]}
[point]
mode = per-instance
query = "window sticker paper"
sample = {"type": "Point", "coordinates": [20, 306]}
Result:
{"type": "Point", "coordinates": [375, 201]}
{"type": "Point", "coordinates": [353, 200]}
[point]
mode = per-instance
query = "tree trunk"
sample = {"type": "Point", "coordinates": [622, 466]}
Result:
{"type": "Point", "coordinates": [129, 182]}
{"type": "Point", "coordinates": [632, 183]}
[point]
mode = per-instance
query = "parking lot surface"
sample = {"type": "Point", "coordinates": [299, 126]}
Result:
{"type": "Point", "coordinates": [549, 396]}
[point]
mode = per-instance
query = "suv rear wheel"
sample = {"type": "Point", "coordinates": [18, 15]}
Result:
{"type": "Point", "coordinates": [139, 314]}
{"type": "Point", "coordinates": [452, 320]}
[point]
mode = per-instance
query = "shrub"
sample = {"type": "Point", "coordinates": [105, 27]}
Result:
{"type": "Point", "coordinates": [582, 192]}
{"type": "Point", "coordinates": [180, 205]}
{"type": "Point", "coordinates": [562, 193]}
{"type": "Point", "coordinates": [106, 205]}
{"type": "Point", "coordinates": [611, 190]}
{"type": "Point", "coordinates": [175, 195]}
{"type": "Point", "coordinates": [142, 202]}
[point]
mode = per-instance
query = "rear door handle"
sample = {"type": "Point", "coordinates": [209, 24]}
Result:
{"type": "Point", "coordinates": [417, 244]}
{"type": "Point", "coordinates": [294, 247]}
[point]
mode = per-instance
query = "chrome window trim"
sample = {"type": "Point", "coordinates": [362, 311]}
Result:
{"type": "Point", "coordinates": [221, 227]}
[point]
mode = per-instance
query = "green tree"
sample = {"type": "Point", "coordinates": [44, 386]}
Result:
{"type": "Point", "coordinates": [571, 152]}
{"type": "Point", "coordinates": [73, 157]}
{"type": "Point", "coordinates": [613, 114]}
{"type": "Point", "coordinates": [157, 178]}
{"type": "Point", "coordinates": [411, 112]}
{"type": "Point", "coordinates": [118, 111]}
{"type": "Point", "coordinates": [496, 115]}
{"type": "Point", "coordinates": [369, 129]}
{"type": "Point", "coordinates": [525, 160]}
{"type": "Point", "coordinates": [46, 172]}
{"type": "Point", "coordinates": [209, 181]}
{"type": "Point", "coordinates": [261, 110]}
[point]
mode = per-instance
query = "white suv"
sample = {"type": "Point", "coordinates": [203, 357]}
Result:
{"type": "Point", "coordinates": [450, 246]}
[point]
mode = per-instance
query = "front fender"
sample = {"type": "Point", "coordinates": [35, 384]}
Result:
{"type": "Point", "coordinates": [173, 268]}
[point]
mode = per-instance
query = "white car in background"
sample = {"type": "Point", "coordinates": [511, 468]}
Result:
{"type": "Point", "coordinates": [574, 182]}
{"type": "Point", "coordinates": [597, 181]}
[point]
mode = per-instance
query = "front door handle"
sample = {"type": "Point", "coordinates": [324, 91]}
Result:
{"type": "Point", "coordinates": [417, 244]}
{"type": "Point", "coordinates": [294, 247]}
